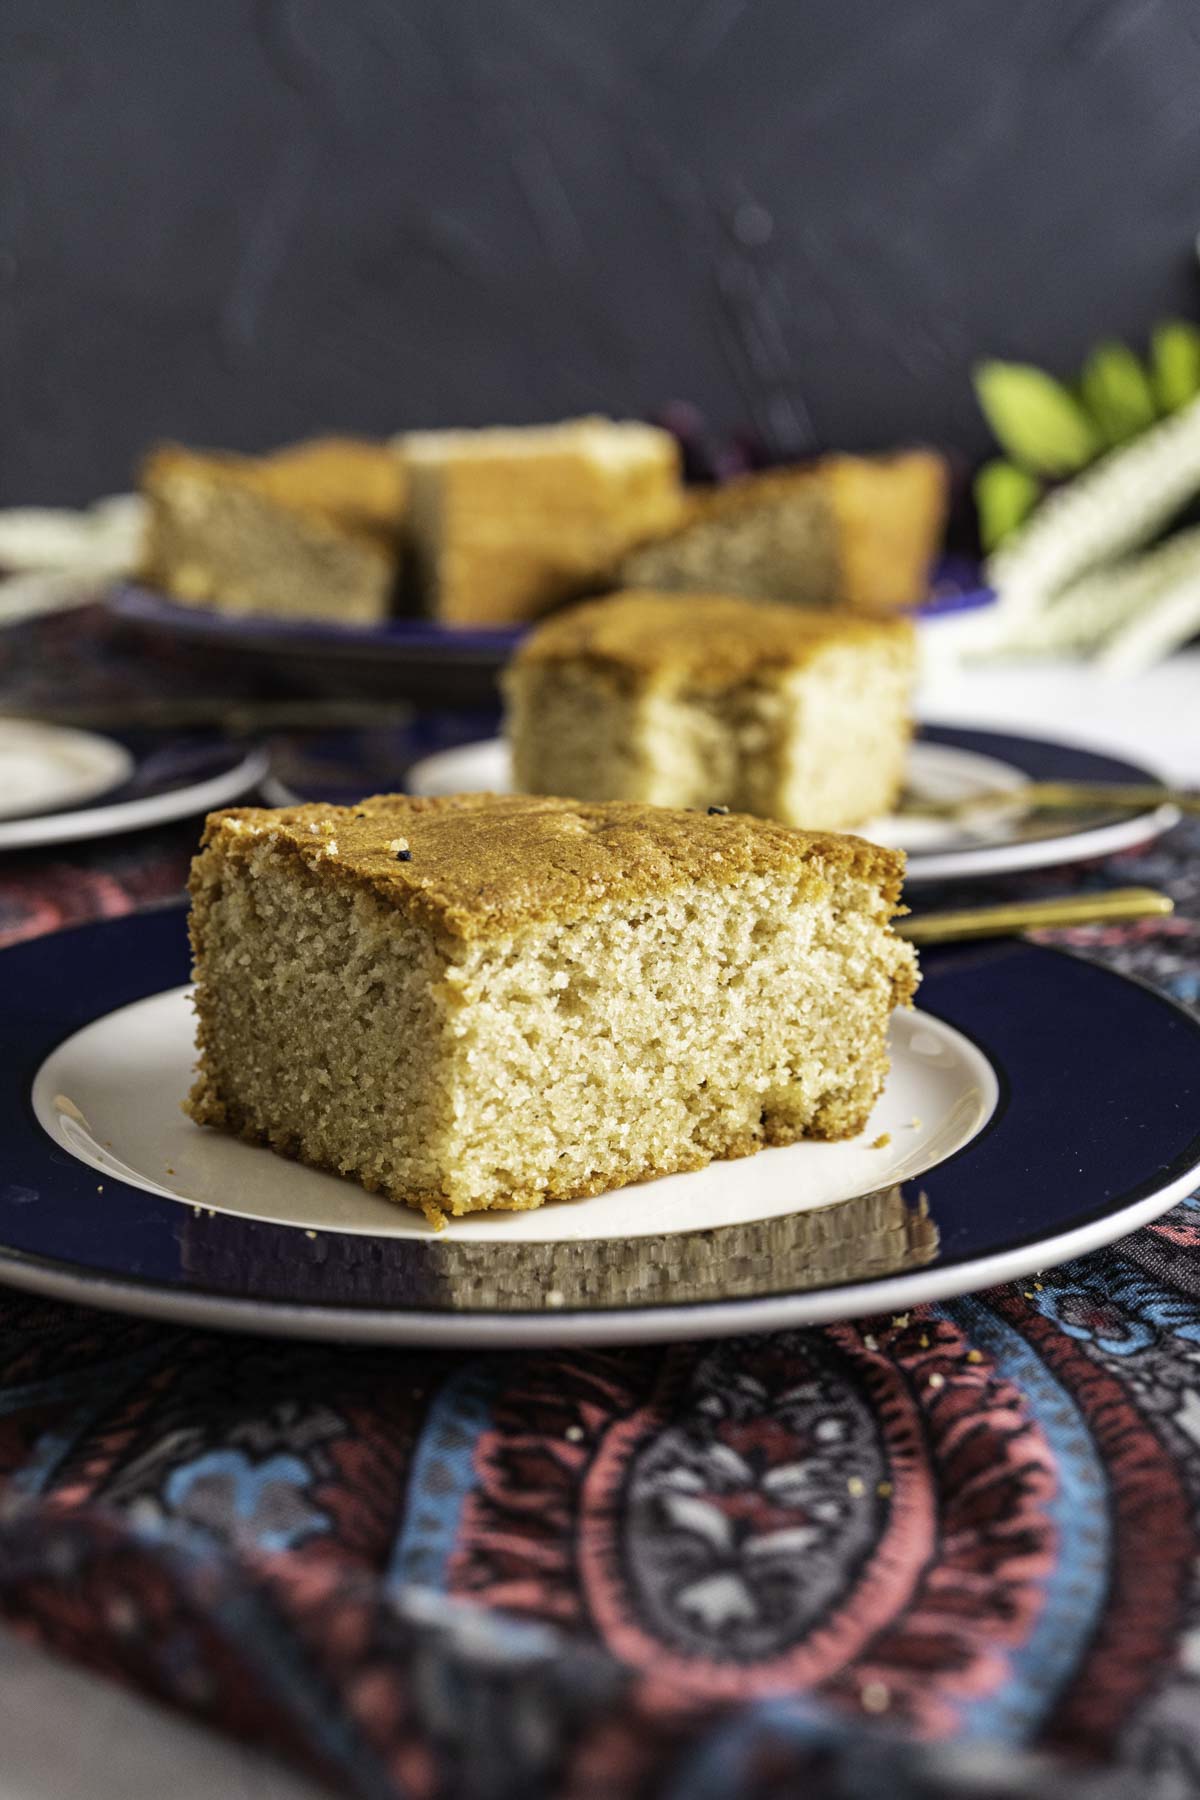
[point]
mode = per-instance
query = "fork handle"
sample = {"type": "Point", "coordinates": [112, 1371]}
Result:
{"type": "Point", "coordinates": [1027, 915]}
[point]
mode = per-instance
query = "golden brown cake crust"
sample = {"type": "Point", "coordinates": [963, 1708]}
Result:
{"type": "Point", "coordinates": [706, 642]}
{"type": "Point", "coordinates": [746, 492]}
{"type": "Point", "coordinates": [484, 865]}
{"type": "Point", "coordinates": [358, 479]}
{"type": "Point", "coordinates": [890, 515]}
{"type": "Point", "coordinates": [352, 485]}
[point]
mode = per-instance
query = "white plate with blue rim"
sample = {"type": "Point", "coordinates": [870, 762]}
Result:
{"type": "Point", "coordinates": [1038, 1107]}
{"type": "Point", "coordinates": [59, 785]}
{"type": "Point", "coordinates": [985, 770]}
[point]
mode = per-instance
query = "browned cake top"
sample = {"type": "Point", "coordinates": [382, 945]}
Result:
{"type": "Point", "coordinates": [354, 482]}
{"type": "Point", "coordinates": [764, 487]}
{"type": "Point", "coordinates": [479, 865]}
{"type": "Point", "coordinates": [705, 640]}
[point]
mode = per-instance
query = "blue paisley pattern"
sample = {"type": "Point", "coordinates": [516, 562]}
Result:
{"type": "Point", "coordinates": [264, 1505]}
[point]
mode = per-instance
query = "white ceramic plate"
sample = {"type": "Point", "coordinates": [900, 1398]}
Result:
{"type": "Point", "coordinates": [112, 1095]}
{"type": "Point", "coordinates": [946, 762]}
{"type": "Point", "coordinates": [47, 768]}
{"type": "Point", "coordinates": [174, 781]}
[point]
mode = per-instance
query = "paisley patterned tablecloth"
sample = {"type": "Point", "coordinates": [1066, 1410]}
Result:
{"type": "Point", "coordinates": [947, 1553]}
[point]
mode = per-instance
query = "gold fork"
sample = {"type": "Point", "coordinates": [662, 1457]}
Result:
{"type": "Point", "coordinates": [1072, 796]}
{"type": "Point", "coordinates": [1026, 915]}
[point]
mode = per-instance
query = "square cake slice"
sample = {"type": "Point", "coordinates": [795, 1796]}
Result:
{"type": "Point", "coordinates": [856, 531]}
{"type": "Point", "coordinates": [699, 699]}
{"type": "Point", "coordinates": [310, 532]}
{"type": "Point", "coordinates": [508, 521]}
{"type": "Point", "coordinates": [488, 1002]}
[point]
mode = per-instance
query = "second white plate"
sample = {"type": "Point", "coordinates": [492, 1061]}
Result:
{"type": "Point", "coordinates": [129, 790]}
{"type": "Point", "coordinates": [946, 762]}
{"type": "Point", "coordinates": [45, 768]}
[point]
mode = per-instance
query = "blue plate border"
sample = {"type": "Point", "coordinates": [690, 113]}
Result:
{"type": "Point", "coordinates": [172, 778]}
{"type": "Point", "coordinates": [399, 638]}
{"type": "Point", "coordinates": [1041, 759]}
{"type": "Point", "coordinates": [1100, 1081]}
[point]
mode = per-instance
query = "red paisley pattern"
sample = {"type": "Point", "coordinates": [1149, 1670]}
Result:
{"type": "Point", "coordinates": [957, 1546]}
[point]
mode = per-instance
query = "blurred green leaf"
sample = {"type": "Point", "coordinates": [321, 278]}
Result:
{"type": "Point", "coordinates": [1175, 363]}
{"type": "Point", "coordinates": [1004, 498]}
{"type": "Point", "coordinates": [1035, 418]}
{"type": "Point", "coordinates": [1117, 393]}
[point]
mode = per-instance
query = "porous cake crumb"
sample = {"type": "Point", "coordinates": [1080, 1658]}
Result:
{"type": "Point", "coordinates": [311, 531]}
{"type": "Point", "coordinates": [546, 1000]}
{"type": "Point", "coordinates": [799, 716]}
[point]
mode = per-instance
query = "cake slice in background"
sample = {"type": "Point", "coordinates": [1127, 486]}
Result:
{"type": "Point", "coordinates": [311, 532]}
{"type": "Point", "coordinates": [359, 480]}
{"type": "Point", "coordinates": [714, 700]}
{"type": "Point", "coordinates": [847, 530]}
{"type": "Point", "coordinates": [489, 1002]}
{"type": "Point", "coordinates": [507, 522]}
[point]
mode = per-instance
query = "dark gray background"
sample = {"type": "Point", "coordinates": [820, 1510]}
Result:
{"type": "Point", "coordinates": [235, 222]}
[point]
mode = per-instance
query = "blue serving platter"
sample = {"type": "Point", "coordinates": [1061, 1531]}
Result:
{"type": "Point", "coordinates": [398, 639]}
{"type": "Point", "coordinates": [416, 656]}
{"type": "Point", "coordinates": [405, 658]}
